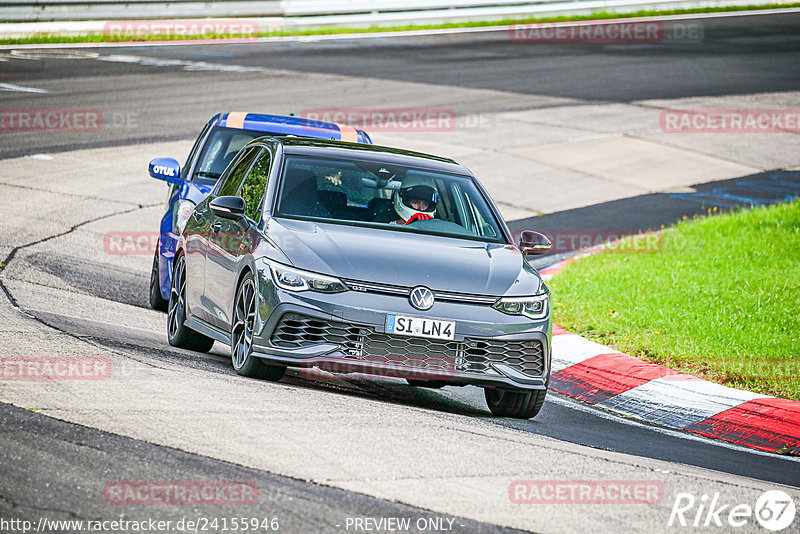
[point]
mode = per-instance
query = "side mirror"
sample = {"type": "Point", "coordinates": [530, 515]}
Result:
{"type": "Point", "coordinates": [228, 207]}
{"type": "Point", "coordinates": [166, 169]}
{"type": "Point", "coordinates": [533, 243]}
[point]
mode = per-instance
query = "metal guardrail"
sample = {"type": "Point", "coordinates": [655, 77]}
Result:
{"type": "Point", "coordinates": [65, 10]}
{"type": "Point", "coordinates": [48, 16]}
{"type": "Point", "coordinates": [341, 7]}
{"type": "Point", "coordinates": [60, 10]}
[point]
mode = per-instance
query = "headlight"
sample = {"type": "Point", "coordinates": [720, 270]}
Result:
{"type": "Point", "coordinates": [292, 279]}
{"type": "Point", "coordinates": [183, 210]}
{"type": "Point", "coordinates": [531, 307]}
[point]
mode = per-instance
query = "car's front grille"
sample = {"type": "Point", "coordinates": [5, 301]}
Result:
{"type": "Point", "coordinates": [412, 352]}
{"type": "Point", "coordinates": [363, 344]}
{"type": "Point", "coordinates": [295, 330]}
{"type": "Point", "coordinates": [526, 356]}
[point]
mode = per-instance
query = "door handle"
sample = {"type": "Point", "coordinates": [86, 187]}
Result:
{"type": "Point", "coordinates": [216, 227]}
{"type": "Point", "coordinates": [197, 215]}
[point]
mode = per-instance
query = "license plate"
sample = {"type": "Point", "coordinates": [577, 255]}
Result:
{"type": "Point", "coordinates": [419, 327]}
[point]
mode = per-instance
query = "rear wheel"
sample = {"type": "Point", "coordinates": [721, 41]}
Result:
{"type": "Point", "coordinates": [178, 334]}
{"type": "Point", "coordinates": [244, 320]}
{"type": "Point", "coordinates": [157, 302]}
{"type": "Point", "coordinates": [516, 404]}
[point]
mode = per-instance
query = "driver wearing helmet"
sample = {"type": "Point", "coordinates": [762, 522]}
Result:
{"type": "Point", "coordinates": [415, 201]}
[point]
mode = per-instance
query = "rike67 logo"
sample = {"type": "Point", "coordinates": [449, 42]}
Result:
{"type": "Point", "coordinates": [774, 510]}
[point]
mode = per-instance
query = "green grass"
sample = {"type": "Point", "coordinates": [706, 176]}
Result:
{"type": "Point", "coordinates": [720, 300]}
{"type": "Point", "coordinates": [600, 15]}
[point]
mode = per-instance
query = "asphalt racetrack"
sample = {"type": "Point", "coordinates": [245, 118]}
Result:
{"type": "Point", "coordinates": [323, 449]}
{"type": "Point", "coordinates": [170, 99]}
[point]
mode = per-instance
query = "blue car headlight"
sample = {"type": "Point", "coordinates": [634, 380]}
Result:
{"type": "Point", "coordinates": [292, 279]}
{"type": "Point", "coordinates": [535, 307]}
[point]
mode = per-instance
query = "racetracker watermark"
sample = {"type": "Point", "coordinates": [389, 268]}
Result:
{"type": "Point", "coordinates": [399, 119]}
{"type": "Point", "coordinates": [730, 120]}
{"type": "Point", "coordinates": [51, 120]}
{"type": "Point", "coordinates": [612, 241]}
{"type": "Point", "coordinates": [586, 492]}
{"type": "Point", "coordinates": [212, 523]}
{"type": "Point", "coordinates": [409, 367]}
{"type": "Point", "coordinates": [177, 29]}
{"type": "Point", "coordinates": [605, 32]}
{"type": "Point", "coordinates": [125, 243]}
{"type": "Point", "coordinates": [775, 370]}
{"type": "Point", "coordinates": [129, 243]}
{"type": "Point", "coordinates": [65, 120]}
{"type": "Point", "coordinates": [55, 368]}
{"type": "Point", "coordinates": [143, 493]}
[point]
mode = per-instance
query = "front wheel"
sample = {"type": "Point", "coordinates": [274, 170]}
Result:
{"type": "Point", "coordinates": [516, 404]}
{"type": "Point", "coordinates": [178, 334]}
{"type": "Point", "coordinates": [244, 321]}
{"type": "Point", "coordinates": [157, 302]}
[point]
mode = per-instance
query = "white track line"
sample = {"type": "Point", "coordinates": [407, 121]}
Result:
{"type": "Point", "coordinates": [677, 402]}
{"type": "Point", "coordinates": [21, 88]}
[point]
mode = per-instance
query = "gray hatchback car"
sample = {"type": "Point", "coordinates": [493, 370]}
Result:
{"type": "Point", "coordinates": [367, 259]}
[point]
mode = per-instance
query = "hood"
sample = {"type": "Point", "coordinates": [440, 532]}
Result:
{"type": "Point", "coordinates": [405, 259]}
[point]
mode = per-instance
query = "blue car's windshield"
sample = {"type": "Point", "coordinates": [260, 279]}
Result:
{"type": "Point", "coordinates": [219, 151]}
{"type": "Point", "coordinates": [385, 195]}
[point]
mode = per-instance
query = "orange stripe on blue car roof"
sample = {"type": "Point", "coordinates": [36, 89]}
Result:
{"type": "Point", "coordinates": [235, 119]}
{"type": "Point", "coordinates": [283, 125]}
{"type": "Point", "coordinates": [348, 133]}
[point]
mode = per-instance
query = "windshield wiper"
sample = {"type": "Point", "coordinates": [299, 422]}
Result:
{"type": "Point", "coordinates": [206, 174]}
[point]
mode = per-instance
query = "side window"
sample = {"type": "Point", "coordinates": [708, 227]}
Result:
{"type": "Point", "coordinates": [477, 215]}
{"type": "Point", "coordinates": [193, 153]}
{"type": "Point", "coordinates": [255, 185]}
{"type": "Point", "coordinates": [229, 185]}
{"type": "Point", "coordinates": [462, 210]}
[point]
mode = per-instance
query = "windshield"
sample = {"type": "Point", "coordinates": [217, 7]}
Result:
{"type": "Point", "coordinates": [388, 196]}
{"type": "Point", "coordinates": [219, 151]}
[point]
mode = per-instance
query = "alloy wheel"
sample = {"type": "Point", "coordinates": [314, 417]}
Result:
{"type": "Point", "coordinates": [244, 323]}
{"type": "Point", "coordinates": [177, 298]}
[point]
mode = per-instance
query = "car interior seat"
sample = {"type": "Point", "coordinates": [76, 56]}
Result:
{"type": "Point", "coordinates": [335, 202]}
{"type": "Point", "coordinates": [300, 195]}
{"type": "Point", "coordinates": [382, 210]}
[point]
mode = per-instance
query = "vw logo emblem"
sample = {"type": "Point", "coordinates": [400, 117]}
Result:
{"type": "Point", "coordinates": [421, 298]}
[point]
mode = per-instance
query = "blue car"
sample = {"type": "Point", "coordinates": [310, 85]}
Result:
{"type": "Point", "coordinates": [216, 146]}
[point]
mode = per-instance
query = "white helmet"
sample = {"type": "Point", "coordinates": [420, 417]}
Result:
{"type": "Point", "coordinates": [415, 187]}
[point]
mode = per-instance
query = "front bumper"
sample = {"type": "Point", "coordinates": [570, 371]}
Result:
{"type": "Point", "coordinates": [345, 333]}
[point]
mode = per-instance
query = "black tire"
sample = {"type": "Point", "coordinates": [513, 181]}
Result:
{"type": "Point", "coordinates": [178, 334]}
{"type": "Point", "coordinates": [244, 316]}
{"type": "Point", "coordinates": [516, 404]}
{"type": "Point", "coordinates": [434, 384]}
{"type": "Point", "coordinates": [157, 302]}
